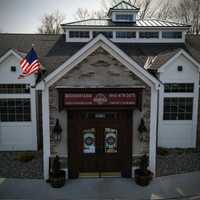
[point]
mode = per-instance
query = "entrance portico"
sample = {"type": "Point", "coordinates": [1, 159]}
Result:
{"type": "Point", "coordinates": [99, 66]}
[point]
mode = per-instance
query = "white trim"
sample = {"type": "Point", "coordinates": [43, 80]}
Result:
{"type": "Point", "coordinates": [46, 132]}
{"type": "Point", "coordinates": [126, 40]}
{"type": "Point", "coordinates": [181, 52]}
{"type": "Point", "coordinates": [60, 87]}
{"type": "Point", "coordinates": [8, 53]}
{"type": "Point", "coordinates": [153, 130]}
{"type": "Point", "coordinates": [100, 41]}
{"type": "Point", "coordinates": [93, 27]}
{"type": "Point", "coordinates": [33, 117]}
{"type": "Point", "coordinates": [15, 96]}
{"type": "Point", "coordinates": [195, 108]}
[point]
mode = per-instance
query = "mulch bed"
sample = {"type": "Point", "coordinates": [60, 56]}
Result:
{"type": "Point", "coordinates": [11, 167]}
{"type": "Point", "coordinates": [177, 161]}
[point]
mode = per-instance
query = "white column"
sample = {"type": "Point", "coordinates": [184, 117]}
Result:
{"type": "Point", "coordinates": [153, 130]}
{"type": "Point", "coordinates": [46, 132]}
{"type": "Point", "coordinates": [33, 119]}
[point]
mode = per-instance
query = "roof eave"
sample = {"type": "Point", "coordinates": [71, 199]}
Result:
{"type": "Point", "coordinates": [125, 27]}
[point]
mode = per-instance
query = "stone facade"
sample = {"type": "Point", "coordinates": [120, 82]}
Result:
{"type": "Point", "coordinates": [99, 70]}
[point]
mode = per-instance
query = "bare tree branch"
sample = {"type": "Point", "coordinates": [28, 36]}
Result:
{"type": "Point", "coordinates": [50, 23]}
{"type": "Point", "coordinates": [182, 11]}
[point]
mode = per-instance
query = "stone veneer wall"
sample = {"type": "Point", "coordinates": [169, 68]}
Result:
{"type": "Point", "coordinates": [99, 69]}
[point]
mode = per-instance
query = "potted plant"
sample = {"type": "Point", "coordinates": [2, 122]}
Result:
{"type": "Point", "coordinates": [57, 176]}
{"type": "Point", "coordinates": [143, 176]}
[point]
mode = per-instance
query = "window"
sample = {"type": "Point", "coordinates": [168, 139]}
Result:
{"type": "Point", "coordinates": [110, 141]}
{"type": "Point", "coordinates": [149, 34]}
{"type": "Point", "coordinates": [14, 110]}
{"type": "Point", "coordinates": [107, 34]}
{"type": "Point", "coordinates": [14, 88]}
{"type": "Point", "coordinates": [125, 34]}
{"type": "Point", "coordinates": [89, 143]}
{"type": "Point", "coordinates": [180, 108]}
{"type": "Point", "coordinates": [79, 34]}
{"type": "Point", "coordinates": [179, 87]}
{"type": "Point", "coordinates": [124, 17]}
{"type": "Point", "coordinates": [171, 35]}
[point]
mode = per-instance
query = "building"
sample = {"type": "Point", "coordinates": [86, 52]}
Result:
{"type": "Point", "coordinates": [111, 90]}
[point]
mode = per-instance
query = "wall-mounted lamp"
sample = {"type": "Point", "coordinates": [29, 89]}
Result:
{"type": "Point", "coordinates": [57, 130]}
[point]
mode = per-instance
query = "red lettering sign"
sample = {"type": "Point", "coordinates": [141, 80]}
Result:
{"type": "Point", "coordinates": [98, 99]}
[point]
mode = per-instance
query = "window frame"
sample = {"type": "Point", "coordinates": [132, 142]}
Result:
{"type": "Point", "coordinates": [7, 88]}
{"type": "Point", "coordinates": [169, 35]}
{"type": "Point", "coordinates": [96, 33]}
{"type": "Point", "coordinates": [19, 113]}
{"type": "Point", "coordinates": [126, 33]}
{"type": "Point", "coordinates": [124, 17]}
{"type": "Point", "coordinates": [174, 110]}
{"type": "Point", "coordinates": [189, 88]}
{"type": "Point", "coordinates": [79, 34]}
{"type": "Point", "coordinates": [151, 33]}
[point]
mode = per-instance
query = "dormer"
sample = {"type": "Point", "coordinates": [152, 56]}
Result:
{"type": "Point", "coordinates": [123, 12]}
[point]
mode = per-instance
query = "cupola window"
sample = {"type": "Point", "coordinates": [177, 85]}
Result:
{"type": "Point", "coordinates": [124, 17]}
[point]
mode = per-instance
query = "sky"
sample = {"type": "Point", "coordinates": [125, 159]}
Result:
{"type": "Point", "coordinates": [23, 16]}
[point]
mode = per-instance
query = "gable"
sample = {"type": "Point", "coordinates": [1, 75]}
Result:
{"type": "Point", "coordinates": [100, 69]}
{"type": "Point", "coordinates": [103, 42]}
{"type": "Point", "coordinates": [6, 75]}
{"type": "Point", "coordinates": [170, 73]}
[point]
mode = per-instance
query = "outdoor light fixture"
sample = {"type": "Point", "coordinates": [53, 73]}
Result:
{"type": "Point", "coordinates": [57, 130]}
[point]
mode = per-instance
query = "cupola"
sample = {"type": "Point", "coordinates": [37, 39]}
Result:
{"type": "Point", "coordinates": [123, 12]}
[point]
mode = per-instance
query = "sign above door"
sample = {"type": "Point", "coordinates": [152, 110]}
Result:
{"type": "Point", "coordinates": [98, 99]}
{"type": "Point", "coordinates": [101, 98]}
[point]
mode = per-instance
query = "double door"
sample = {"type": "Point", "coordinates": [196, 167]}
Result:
{"type": "Point", "coordinates": [100, 143]}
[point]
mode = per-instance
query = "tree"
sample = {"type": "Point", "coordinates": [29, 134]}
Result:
{"type": "Point", "coordinates": [147, 9]}
{"type": "Point", "coordinates": [183, 11]}
{"type": "Point", "coordinates": [84, 13]}
{"type": "Point", "coordinates": [166, 11]}
{"type": "Point", "coordinates": [50, 23]}
{"type": "Point", "coordinates": [188, 12]}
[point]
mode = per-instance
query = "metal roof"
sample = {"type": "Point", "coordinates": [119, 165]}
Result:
{"type": "Point", "coordinates": [139, 23]}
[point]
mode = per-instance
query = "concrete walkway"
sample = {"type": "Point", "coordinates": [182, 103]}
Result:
{"type": "Point", "coordinates": [186, 185]}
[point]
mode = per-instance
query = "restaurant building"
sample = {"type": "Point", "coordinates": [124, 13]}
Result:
{"type": "Point", "coordinates": [110, 91]}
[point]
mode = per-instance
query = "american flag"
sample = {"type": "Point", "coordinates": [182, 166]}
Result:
{"type": "Point", "coordinates": [30, 64]}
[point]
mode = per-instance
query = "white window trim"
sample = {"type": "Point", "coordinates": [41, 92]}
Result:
{"type": "Point", "coordinates": [137, 39]}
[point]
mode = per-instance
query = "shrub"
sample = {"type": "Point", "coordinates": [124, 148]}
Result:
{"type": "Point", "coordinates": [162, 151]}
{"type": "Point", "coordinates": [24, 157]}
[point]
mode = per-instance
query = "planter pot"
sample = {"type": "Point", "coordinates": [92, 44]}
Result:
{"type": "Point", "coordinates": [143, 178]}
{"type": "Point", "coordinates": [58, 180]}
